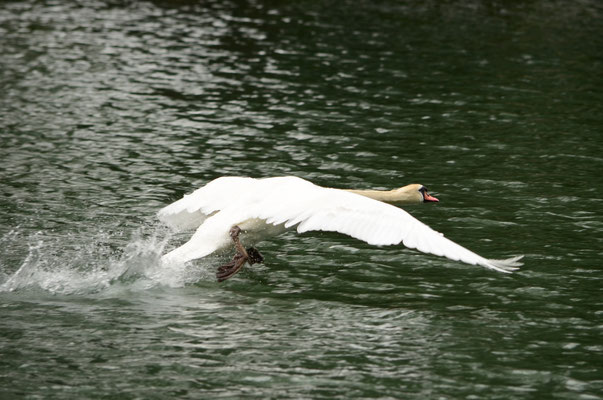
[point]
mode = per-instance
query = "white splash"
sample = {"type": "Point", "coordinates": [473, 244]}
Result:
{"type": "Point", "coordinates": [64, 266]}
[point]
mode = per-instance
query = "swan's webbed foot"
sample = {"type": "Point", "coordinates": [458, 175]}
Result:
{"type": "Point", "coordinates": [250, 255]}
{"type": "Point", "coordinates": [228, 270]}
{"type": "Point", "coordinates": [255, 257]}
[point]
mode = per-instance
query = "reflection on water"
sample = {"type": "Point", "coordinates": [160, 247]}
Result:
{"type": "Point", "coordinates": [110, 111]}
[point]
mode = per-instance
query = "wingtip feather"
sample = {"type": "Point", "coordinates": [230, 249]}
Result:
{"type": "Point", "coordinates": [507, 265]}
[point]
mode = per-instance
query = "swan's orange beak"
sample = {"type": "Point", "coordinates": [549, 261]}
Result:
{"type": "Point", "coordinates": [427, 198]}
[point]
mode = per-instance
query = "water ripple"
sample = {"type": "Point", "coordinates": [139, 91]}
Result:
{"type": "Point", "coordinates": [111, 111]}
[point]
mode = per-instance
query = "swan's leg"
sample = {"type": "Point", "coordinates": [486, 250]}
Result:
{"type": "Point", "coordinates": [251, 255]}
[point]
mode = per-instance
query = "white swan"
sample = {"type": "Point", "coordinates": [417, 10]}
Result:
{"type": "Point", "coordinates": [258, 208]}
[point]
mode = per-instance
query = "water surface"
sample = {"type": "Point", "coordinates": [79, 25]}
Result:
{"type": "Point", "coordinates": [111, 110]}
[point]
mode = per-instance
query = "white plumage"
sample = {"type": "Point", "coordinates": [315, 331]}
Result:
{"type": "Point", "coordinates": [269, 206]}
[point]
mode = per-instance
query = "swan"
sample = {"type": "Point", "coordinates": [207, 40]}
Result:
{"type": "Point", "coordinates": [233, 210]}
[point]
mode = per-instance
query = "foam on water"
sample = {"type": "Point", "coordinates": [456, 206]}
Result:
{"type": "Point", "coordinates": [57, 265]}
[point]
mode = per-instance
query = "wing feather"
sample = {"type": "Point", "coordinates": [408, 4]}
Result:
{"type": "Point", "coordinates": [322, 209]}
{"type": "Point", "coordinates": [190, 211]}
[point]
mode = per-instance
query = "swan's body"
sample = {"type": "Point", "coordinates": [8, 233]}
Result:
{"type": "Point", "coordinates": [266, 207]}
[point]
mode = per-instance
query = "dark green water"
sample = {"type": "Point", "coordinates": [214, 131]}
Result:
{"type": "Point", "coordinates": [109, 111]}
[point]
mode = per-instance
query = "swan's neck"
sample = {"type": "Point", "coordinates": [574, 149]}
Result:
{"type": "Point", "coordinates": [395, 197]}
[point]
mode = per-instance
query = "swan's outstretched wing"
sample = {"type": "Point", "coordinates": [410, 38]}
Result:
{"type": "Point", "coordinates": [190, 211]}
{"type": "Point", "coordinates": [321, 209]}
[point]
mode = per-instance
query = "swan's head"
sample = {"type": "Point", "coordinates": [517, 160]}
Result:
{"type": "Point", "coordinates": [413, 194]}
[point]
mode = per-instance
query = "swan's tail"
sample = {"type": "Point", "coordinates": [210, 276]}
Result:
{"type": "Point", "coordinates": [507, 265]}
